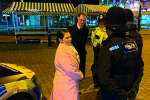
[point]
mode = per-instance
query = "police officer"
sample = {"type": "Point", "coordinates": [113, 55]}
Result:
{"type": "Point", "coordinates": [133, 33]}
{"type": "Point", "coordinates": [97, 36]}
{"type": "Point", "coordinates": [117, 58]}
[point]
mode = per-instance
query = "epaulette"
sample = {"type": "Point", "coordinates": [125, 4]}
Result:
{"type": "Point", "coordinates": [95, 29]}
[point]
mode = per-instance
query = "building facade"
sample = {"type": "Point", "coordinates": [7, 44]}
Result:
{"type": "Point", "coordinates": [3, 5]}
{"type": "Point", "coordinates": [132, 4]}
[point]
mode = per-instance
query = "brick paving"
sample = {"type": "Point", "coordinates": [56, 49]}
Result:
{"type": "Point", "coordinates": [40, 58]}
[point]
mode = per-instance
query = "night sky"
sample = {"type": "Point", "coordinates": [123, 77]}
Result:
{"type": "Point", "coordinates": [75, 2]}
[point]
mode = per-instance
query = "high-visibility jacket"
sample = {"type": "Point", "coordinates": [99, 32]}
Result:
{"type": "Point", "coordinates": [101, 32]}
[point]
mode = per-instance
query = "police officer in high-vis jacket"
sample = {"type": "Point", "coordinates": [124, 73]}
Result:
{"type": "Point", "coordinates": [97, 36]}
{"type": "Point", "coordinates": [117, 59]}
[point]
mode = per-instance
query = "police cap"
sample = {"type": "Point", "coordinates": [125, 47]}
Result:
{"type": "Point", "coordinates": [116, 19]}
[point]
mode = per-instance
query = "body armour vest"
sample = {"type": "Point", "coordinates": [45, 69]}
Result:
{"type": "Point", "coordinates": [124, 66]}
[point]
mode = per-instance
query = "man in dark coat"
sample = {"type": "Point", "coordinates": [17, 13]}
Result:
{"type": "Point", "coordinates": [79, 33]}
{"type": "Point", "coordinates": [117, 59]}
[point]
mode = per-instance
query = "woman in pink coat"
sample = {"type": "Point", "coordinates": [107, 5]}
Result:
{"type": "Point", "coordinates": [65, 84]}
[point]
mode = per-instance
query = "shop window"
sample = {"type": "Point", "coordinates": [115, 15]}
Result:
{"type": "Point", "coordinates": [92, 21]}
{"type": "Point", "coordinates": [35, 20]}
{"type": "Point", "coordinates": [128, 5]}
{"type": "Point", "coordinates": [63, 21]}
{"type": "Point", "coordinates": [144, 19]}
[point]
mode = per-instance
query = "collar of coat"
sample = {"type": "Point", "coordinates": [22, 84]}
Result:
{"type": "Point", "coordinates": [119, 34]}
{"type": "Point", "coordinates": [133, 27]}
{"type": "Point", "coordinates": [84, 27]}
{"type": "Point", "coordinates": [69, 50]}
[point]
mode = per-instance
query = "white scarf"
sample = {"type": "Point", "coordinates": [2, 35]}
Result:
{"type": "Point", "coordinates": [74, 49]}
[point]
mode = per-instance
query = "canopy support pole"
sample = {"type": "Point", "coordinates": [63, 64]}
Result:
{"type": "Point", "coordinates": [48, 22]}
{"type": "Point", "coordinates": [7, 23]}
{"type": "Point", "coordinates": [17, 21]}
{"type": "Point", "coordinates": [90, 21]}
{"type": "Point", "coordinates": [13, 22]}
{"type": "Point", "coordinates": [14, 26]}
{"type": "Point", "coordinates": [44, 22]}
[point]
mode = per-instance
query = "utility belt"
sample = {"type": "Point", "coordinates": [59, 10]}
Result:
{"type": "Point", "coordinates": [97, 47]}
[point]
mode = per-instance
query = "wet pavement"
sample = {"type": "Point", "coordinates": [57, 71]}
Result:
{"type": "Point", "coordinates": [40, 58]}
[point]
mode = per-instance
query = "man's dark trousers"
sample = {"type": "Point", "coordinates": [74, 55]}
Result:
{"type": "Point", "coordinates": [82, 63]}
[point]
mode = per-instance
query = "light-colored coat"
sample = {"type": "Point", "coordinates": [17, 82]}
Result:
{"type": "Point", "coordinates": [65, 84]}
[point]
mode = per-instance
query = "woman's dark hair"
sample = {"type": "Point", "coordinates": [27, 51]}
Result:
{"type": "Point", "coordinates": [60, 34]}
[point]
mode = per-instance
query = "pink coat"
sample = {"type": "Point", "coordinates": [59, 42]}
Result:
{"type": "Point", "coordinates": [65, 84]}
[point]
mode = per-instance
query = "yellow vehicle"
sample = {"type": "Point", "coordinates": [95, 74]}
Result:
{"type": "Point", "coordinates": [18, 83]}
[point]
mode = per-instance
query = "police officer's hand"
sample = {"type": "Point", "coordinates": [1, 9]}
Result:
{"type": "Point", "coordinates": [132, 93]}
{"type": "Point", "coordinates": [97, 37]}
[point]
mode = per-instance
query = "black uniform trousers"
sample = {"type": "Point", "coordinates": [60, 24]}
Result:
{"type": "Point", "coordinates": [93, 67]}
{"type": "Point", "coordinates": [96, 49]}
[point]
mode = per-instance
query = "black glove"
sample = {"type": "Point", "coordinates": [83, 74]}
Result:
{"type": "Point", "coordinates": [97, 37]}
{"type": "Point", "coordinates": [132, 93]}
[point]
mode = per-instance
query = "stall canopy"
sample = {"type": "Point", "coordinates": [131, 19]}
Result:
{"type": "Point", "coordinates": [145, 12]}
{"type": "Point", "coordinates": [136, 13]}
{"type": "Point", "coordinates": [42, 8]}
{"type": "Point", "coordinates": [7, 10]}
{"type": "Point", "coordinates": [92, 9]}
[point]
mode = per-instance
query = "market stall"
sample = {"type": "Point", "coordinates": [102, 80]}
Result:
{"type": "Point", "coordinates": [43, 11]}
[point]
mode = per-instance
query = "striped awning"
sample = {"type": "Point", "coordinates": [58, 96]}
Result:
{"type": "Point", "coordinates": [43, 8]}
{"type": "Point", "coordinates": [92, 9]}
{"type": "Point", "coordinates": [7, 10]}
{"type": "Point", "coordinates": [145, 12]}
{"type": "Point", "coordinates": [136, 13]}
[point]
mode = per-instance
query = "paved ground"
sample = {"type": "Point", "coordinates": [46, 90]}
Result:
{"type": "Point", "coordinates": [40, 58]}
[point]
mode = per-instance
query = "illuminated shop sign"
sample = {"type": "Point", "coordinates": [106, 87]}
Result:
{"type": "Point", "coordinates": [144, 3]}
{"type": "Point", "coordinates": [128, 4]}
